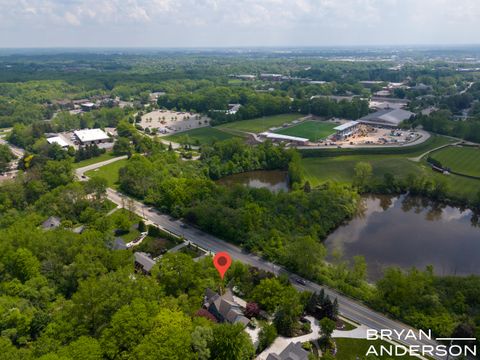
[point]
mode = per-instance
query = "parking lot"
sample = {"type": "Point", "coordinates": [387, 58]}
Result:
{"type": "Point", "coordinates": [369, 135]}
{"type": "Point", "coordinates": [169, 122]}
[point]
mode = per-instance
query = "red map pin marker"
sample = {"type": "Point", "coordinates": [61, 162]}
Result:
{"type": "Point", "coordinates": [222, 262]}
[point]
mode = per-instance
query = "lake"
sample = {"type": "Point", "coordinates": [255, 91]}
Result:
{"type": "Point", "coordinates": [273, 180]}
{"type": "Point", "coordinates": [406, 232]}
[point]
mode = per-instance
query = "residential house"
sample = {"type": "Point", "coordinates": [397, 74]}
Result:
{"type": "Point", "coordinates": [51, 223]}
{"type": "Point", "coordinates": [143, 262]}
{"type": "Point", "coordinates": [293, 351]}
{"type": "Point", "coordinates": [224, 307]}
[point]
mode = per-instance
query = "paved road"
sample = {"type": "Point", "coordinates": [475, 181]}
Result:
{"type": "Point", "coordinates": [80, 172]}
{"type": "Point", "coordinates": [349, 308]}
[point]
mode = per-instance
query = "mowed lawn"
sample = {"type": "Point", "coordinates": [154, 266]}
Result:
{"type": "Point", "coordinates": [109, 172]}
{"type": "Point", "coordinates": [312, 130]}
{"type": "Point", "coordinates": [260, 124]}
{"type": "Point", "coordinates": [464, 160]}
{"type": "Point", "coordinates": [353, 349]}
{"type": "Point", "coordinates": [103, 157]}
{"type": "Point", "coordinates": [205, 135]}
{"type": "Point", "coordinates": [341, 169]}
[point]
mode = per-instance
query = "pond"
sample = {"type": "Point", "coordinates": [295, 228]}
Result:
{"type": "Point", "coordinates": [274, 180]}
{"type": "Point", "coordinates": [406, 231]}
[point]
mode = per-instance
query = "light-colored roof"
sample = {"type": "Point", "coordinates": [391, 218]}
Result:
{"type": "Point", "coordinates": [346, 126]}
{"type": "Point", "coordinates": [388, 116]}
{"type": "Point", "coordinates": [57, 140]}
{"type": "Point", "coordinates": [274, 136]}
{"type": "Point", "coordinates": [143, 259]}
{"type": "Point", "coordinates": [91, 135]}
{"type": "Point", "coordinates": [88, 104]}
{"type": "Point", "coordinates": [51, 223]}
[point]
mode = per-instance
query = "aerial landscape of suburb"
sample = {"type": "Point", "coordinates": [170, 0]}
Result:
{"type": "Point", "coordinates": [239, 179]}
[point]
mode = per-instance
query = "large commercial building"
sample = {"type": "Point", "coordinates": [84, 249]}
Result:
{"type": "Point", "coordinates": [91, 136]}
{"type": "Point", "coordinates": [387, 117]}
{"type": "Point", "coordinates": [347, 129]}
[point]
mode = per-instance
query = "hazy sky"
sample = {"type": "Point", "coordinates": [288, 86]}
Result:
{"type": "Point", "coordinates": [186, 23]}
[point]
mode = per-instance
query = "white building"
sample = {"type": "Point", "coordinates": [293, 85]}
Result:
{"type": "Point", "coordinates": [347, 129]}
{"type": "Point", "coordinates": [58, 140]}
{"type": "Point", "coordinates": [91, 136]}
{"type": "Point", "coordinates": [286, 138]}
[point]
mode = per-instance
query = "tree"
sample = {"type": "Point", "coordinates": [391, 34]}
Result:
{"type": "Point", "coordinates": [122, 223]}
{"type": "Point", "coordinates": [98, 186]}
{"type": "Point", "coordinates": [201, 337]}
{"type": "Point", "coordinates": [177, 273]}
{"type": "Point", "coordinates": [56, 173]}
{"type": "Point", "coordinates": [286, 318]}
{"type": "Point", "coordinates": [128, 327]}
{"type": "Point", "coordinates": [252, 310]}
{"type": "Point", "coordinates": [230, 342]}
{"type": "Point", "coordinates": [24, 265]}
{"type": "Point", "coordinates": [122, 147]}
{"type": "Point", "coordinates": [5, 157]}
{"type": "Point", "coordinates": [305, 255]}
{"type": "Point", "coordinates": [269, 294]}
{"type": "Point", "coordinates": [327, 326]}
{"type": "Point", "coordinates": [266, 336]}
{"type": "Point", "coordinates": [362, 175]}
{"type": "Point", "coordinates": [170, 338]}
{"type": "Point", "coordinates": [85, 348]}
{"type": "Point", "coordinates": [141, 226]}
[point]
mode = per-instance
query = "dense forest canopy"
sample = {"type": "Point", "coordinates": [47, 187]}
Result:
{"type": "Point", "coordinates": [69, 295]}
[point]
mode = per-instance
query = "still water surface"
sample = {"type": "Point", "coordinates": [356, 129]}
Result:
{"type": "Point", "coordinates": [273, 180]}
{"type": "Point", "coordinates": [405, 232]}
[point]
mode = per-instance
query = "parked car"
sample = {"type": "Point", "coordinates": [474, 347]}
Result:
{"type": "Point", "coordinates": [300, 281]}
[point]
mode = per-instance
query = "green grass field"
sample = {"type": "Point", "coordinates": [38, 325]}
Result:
{"type": "Point", "coordinates": [464, 160]}
{"type": "Point", "coordinates": [353, 349]}
{"type": "Point", "coordinates": [103, 157]}
{"type": "Point", "coordinates": [260, 124]}
{"type": "Point", "coordinates": [200, 136]}
{"type": "Point", "coordinates": [109, 172]}
{"type": "Point", "coordinates": [312, 130]}
{"type": "Point", "coordinates": [339, 167]}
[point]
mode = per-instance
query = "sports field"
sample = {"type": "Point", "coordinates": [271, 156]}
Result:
{"type": "Point", "coordinates": [260, 124]}
{"type": "Point", "coordinates": [312, 130]}
{"type": "Point", "coordinates": [205, 135]}
{"type": "Point", "coordinates": [464, 160]}
{"type": "Point", "coordinates": [109, 172]}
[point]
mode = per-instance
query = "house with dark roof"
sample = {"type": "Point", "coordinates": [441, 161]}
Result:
{"type": "Point", "coordinates": [224, 307]}
{"type": "Point", "coordinates": [293, 351]}
{"type": "Point", "coordinates": [51, 223]}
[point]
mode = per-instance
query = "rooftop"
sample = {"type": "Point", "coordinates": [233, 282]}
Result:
{"type": "Point", "coordinates": [387, 116]}
{"type": "Point", "coordinates": [293, 351]}
{"type": "Point", "coordinates": [58, 140]}
{"type": "Point", "coordinates": [224, 307]}
{"type": "Point", "coordinates": [87, 135]}
{"type": "Point", "coordinates": [346, 126]}
{"type": "Point", "coordinates": [144, 260]}
{"type": "Point", "coordinates": [274, 136]}
{"type": "Point", "coordinates": [51, 223]}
